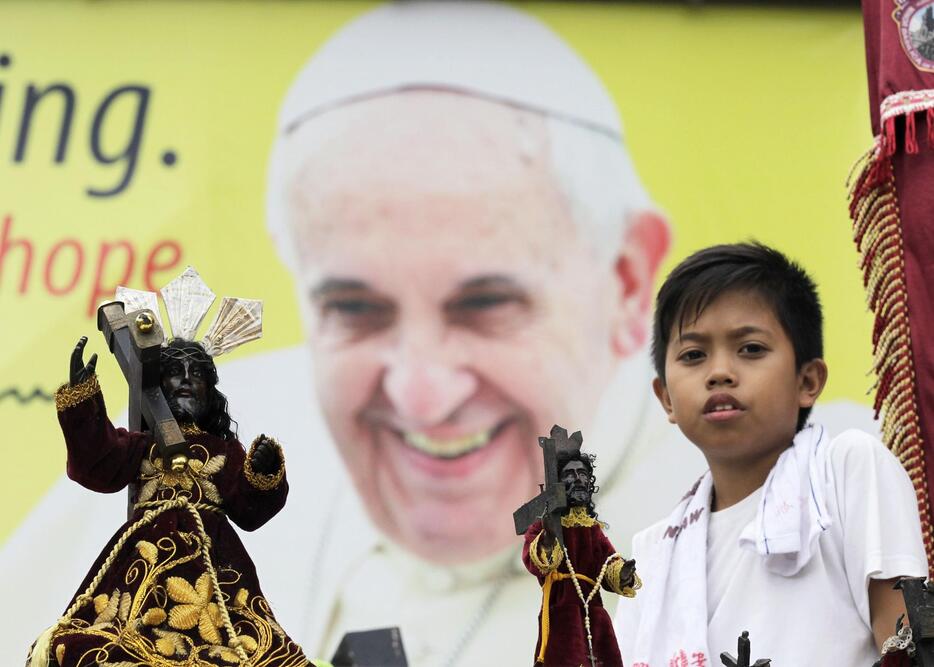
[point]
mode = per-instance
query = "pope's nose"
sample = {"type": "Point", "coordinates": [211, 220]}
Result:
{"type": "Point", "coordinates": [426, 393]}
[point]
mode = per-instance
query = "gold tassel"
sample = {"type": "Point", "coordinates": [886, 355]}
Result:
{"type": "Point", "coordinates": [41, 651]}
{"type": "Point", "coordinates": [877, 233]}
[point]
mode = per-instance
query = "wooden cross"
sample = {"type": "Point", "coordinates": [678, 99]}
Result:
{"type": "Point", "coordinates": [135, 339]}
{"type": "Point", "coordinates": [550, 504]}
{"type": "Point", "coordinates": [744, 650]}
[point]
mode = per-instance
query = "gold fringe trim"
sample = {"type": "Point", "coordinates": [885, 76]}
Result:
{"type": "Point", "coordinates": [613, 574]}
{"type": "Point", "coordinates": [68, 396]}
{"type": "Point", "coordinates": [878, 236]}
{"type": "Point", "coordinates": [578, 517]}
{"type": "Point", "coordinates": [545, 562]}
{"type": "Point", "coordinates": [259, 480]}
{"type": "Point", "coordinates": [41, 652]}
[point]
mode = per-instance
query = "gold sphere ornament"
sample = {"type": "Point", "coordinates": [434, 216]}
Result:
{"type": "Point", "coordinates": [145, 322]}
{"type": "Point", "coordinates": [179, 462]}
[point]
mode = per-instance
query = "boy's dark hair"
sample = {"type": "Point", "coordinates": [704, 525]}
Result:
{"type": "Point", "coordinates": [707, 274]}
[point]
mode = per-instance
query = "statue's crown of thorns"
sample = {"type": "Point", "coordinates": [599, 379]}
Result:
{"type": "Point", "coordinates": [187, 300]}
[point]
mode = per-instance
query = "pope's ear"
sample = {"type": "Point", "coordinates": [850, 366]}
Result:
{"type": "Point", "coordinates": [644, 245]}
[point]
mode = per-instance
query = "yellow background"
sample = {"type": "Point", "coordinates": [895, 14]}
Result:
{"type": "Point", "coordinates": [743, 123]}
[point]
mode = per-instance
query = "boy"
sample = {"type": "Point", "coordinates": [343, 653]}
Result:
{"type": "Point", "coordinates": [791, 535]}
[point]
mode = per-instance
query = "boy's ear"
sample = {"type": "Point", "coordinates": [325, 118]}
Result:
{"type": "Point", "coordinates": [661, 393]}
{"type": "Point", "coordinates": [811, 380]}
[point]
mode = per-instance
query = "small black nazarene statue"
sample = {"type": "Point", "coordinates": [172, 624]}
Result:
{"type": "Point", "coordinates": [912, 645]}
{"type": "Point", "coordinates": [174, 586]}
{"type": "Point", "coordinates": [573, 559]}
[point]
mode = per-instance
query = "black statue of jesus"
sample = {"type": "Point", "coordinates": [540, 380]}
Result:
{"type": "Point", "coordinates": [175, 582]}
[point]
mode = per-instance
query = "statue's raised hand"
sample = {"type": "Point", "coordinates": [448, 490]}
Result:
{"type": "Point", "coordinates": [78, 371]}
{"type": "Point", "coordinates": [265, 459]}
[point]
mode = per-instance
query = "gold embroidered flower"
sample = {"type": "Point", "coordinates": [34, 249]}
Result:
{"type": "Point", "coordinates": [225, 654]}
{"type": "Point", "coordinates": [240, 599]}
{"type": "Point", "coordinates": [170, 643]}
{"type": "Point", "coordinates": [195, 473]}
{"type": "Point", "coordinates": [111, 607]}
{"type": "Point", "coordinates": [154, 616]}
{"type": "Point", "coordinates": [195, 607]}
{"type": "Point", "coordinates": [148, 551]}
{"type": "Point", "coordinates": [248, 643]}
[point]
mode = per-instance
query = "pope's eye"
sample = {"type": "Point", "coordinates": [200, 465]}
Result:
{"type": "Point", "coordinates": [478, 302]}
{"type": "Point", "coordinates": [357, 314]}
{"type": "Point", "coordinates": [352, 307]}
{"type": "Point", "coordinates": [488, 311]}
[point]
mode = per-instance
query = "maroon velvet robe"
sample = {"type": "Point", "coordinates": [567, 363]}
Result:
{"type": "Point", "coordinates": [156, 603]}
{"type": "Point", "coordinates": [588, 549]}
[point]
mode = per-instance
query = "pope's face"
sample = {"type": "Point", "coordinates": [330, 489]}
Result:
{"type": "Point", "coordinates": [454, 312]}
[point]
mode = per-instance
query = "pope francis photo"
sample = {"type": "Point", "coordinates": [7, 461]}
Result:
{"type": "Point", "coordinates": [474, 257]}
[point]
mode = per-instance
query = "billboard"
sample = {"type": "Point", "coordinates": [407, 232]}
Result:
{"type": "Point", "coordinates": [456, 216]}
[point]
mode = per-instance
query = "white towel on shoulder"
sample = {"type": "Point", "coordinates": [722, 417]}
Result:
{"type": "Point", "coordinates": [792, 512]}
{"type": "Point", "coordinates": [790, 518]}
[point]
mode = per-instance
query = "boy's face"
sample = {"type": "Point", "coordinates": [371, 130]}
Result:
{"type": "Point", "coordinates": [731, 384]}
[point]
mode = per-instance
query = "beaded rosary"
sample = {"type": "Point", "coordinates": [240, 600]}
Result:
{"type": "Point", "coordinates": [586, 601]}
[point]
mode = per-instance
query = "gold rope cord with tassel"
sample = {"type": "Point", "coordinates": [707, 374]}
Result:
{"type": "Point", "coordinates": [552, 577]}
{"type": "Point", "coordinates": [576, 578]}
{"type": "Point", "coordinates": [878, 236]}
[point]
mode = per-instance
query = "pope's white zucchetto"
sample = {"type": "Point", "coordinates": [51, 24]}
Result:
{"type": "Point", "coordinates": [488, 50]}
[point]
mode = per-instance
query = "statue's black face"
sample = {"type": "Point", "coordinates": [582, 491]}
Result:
{"type": "Point", "coordinates": [577, 481]}
{"type": "Point", "coordinates": [185, 383]}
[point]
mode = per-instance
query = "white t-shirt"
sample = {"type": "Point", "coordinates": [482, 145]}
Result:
{"type": "Point", "coordinates": [819, 616]}
{"type": "Point", "coordinates": [723, 558]}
